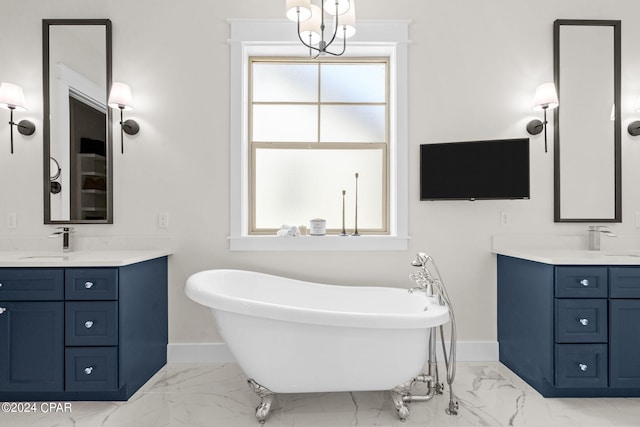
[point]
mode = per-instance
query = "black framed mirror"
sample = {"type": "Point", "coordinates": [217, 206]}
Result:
{"type": "Point", "coordinates": [587, 164]}
{"type": "Point", "coordinates": [77, 121]}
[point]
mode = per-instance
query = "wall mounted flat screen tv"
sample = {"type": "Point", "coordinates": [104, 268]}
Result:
{"type": "Point", "coordinates": [475, 170]}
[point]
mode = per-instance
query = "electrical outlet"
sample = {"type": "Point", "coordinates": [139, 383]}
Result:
{"type": "Point", "coordinates": [163, 220]}
{"type": "Point", "coordinates": [504, 219]}
{"type": "Point", "coordinates": [12, 221]}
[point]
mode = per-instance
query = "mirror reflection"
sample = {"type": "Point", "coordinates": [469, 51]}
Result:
{"type": "Point", "coordinates": [587, 122]}
{"type": "Point", "coordinates": [77, 76]}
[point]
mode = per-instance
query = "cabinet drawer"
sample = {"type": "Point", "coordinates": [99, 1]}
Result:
{"type": "Point", "coordinates": [581, 365]}
{"type": "Point", "coordinates": [581, 320]}
{"type": "Point", "coordinates": [91, 284]}
{"type": "Point", "coordinates": [625, 282]}
{"type": "Point", "coordinates": [28, 284]}
{"type": "Point", "coordinates": [581, 282]}
{"type": "Point", "coordinates": [91, 368]}
{"type": "Point", "coordinates": [91, 323]}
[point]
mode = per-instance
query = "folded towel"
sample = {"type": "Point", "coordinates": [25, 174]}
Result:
{"type": "Point", "coordinates": [288, 231]}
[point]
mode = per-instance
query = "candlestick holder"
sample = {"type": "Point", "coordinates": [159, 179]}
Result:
{"type": "Point", "coordinates": [355, 231]}
{"type": "Point", "coordinates": [344, 231]}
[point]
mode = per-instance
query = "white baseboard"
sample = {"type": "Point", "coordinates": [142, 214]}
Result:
{"type": "Point", "coordinates": [199, 353]}
{"type": "Point", "coordinates": [474, 351]}
{"type": "Point", "coordinates": [466, 351]}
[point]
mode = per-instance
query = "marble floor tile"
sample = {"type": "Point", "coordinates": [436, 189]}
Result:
{"type": "Point", "coordinates": [216, 395]}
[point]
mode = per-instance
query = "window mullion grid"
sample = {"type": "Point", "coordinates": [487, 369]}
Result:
{"type": "Point", "coordinates": [320, 145]}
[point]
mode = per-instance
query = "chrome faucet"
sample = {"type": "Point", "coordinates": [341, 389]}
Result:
{"type": "Point", "coordinates": [594, 232]}
{"type": "Point", "coordinates": [65, 232]}
{"type": "Point", "coordinates": [424, 279]}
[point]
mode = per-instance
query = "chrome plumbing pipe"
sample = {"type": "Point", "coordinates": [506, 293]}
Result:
{"type": "Point", "coordinates": [431, 390]}
{"type": "Point", "coordinates": [420, 398]}
{"type": "Point", "coordinates": [428, 379]}
{"type": "Point", "coordinates": [431, 284]}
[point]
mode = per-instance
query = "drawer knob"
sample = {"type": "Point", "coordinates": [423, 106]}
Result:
{"type": "Point", "coordinates": [88, 324]}
{"type": "Point", "coordinates": [88, 285]}
{"type": "Point", "coordinates": [583, 367]}
{"type": "Point", "coordinates": [88, 370]}
{"type": "Point", "coordinates": [2, 310]}
{"type": "Point", "coordinates": [584, 322]}
{"type": "Point", "coordinates": [584, 282]}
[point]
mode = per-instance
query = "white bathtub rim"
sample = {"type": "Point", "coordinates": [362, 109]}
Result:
{"type": "Point", "coordinates": [197, 289]}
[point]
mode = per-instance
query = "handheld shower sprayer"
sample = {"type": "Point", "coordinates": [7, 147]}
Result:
{"type": "Point", "coordinates": [421, 260]}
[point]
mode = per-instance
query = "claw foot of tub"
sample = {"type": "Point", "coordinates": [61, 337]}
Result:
{"type": "Point", "coordinates": [397, 397]}
{"type": "Point", "coordinates": [262, 410]}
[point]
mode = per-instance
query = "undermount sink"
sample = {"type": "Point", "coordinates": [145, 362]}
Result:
{"type": "Point", "coordinates": [45, 258]}
{"type": "Point", "coordinates": [82, 258]}
{"type": "Point", "coordinates": [631, 254]}
{"type": "Point", "coordinates": [64, 256]}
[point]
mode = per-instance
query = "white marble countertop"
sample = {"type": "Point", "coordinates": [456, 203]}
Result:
{"type": "Point", "coordinates": [573, 256]}
{"type": "Point", "coordinates": [112, 258]}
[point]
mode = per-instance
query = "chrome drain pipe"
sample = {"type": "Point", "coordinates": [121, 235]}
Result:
{"type": "Point", "coordinates": [429, 379]}
{"type": "Point", "coordinates": [433, 285]}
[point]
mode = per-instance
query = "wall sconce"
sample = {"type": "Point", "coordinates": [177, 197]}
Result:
{"type": "Point", "coordinates": [545, 98]}
{"type": "Point", "coordinates": [634, 127]}
{"type": "Point", "coordinates": [120, 98]}
{"type": "Point", "coordinates": [12, 98]}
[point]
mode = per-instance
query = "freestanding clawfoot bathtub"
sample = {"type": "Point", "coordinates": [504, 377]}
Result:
{"type": "Point", "coordinates": [292, 336]}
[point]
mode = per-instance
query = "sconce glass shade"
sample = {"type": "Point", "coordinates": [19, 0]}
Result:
{"type": "Point", "coordinates": [347, 22]}
{"type": "Point", "coordinates": [310, 29]}
{"type": "Point", "coordinates": [120, 97]}
{"type": "Point", "coordinates": [295, 6]}
{"type": "Point", "coordinates": [12, 97]}
{"type": "Point", "coordinates": [545, 97]}
{"type": "Point", "coordinates": [343, 6]}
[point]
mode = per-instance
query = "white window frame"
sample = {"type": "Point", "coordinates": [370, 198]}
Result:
{"type": "Point", "coordinates": [277, 38]}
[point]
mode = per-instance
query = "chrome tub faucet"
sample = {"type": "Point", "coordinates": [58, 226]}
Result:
{"type": "Point", "coordinates": [424, 279]}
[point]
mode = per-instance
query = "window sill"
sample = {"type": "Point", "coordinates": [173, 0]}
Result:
{"type": "Point", "coordinates": [319, 243]}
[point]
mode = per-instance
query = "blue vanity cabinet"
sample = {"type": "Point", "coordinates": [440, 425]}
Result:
{"type": "Point", "coordinates": [75, 333]}
{"type": "Point", "coordinates": [570, 330]}
{"type": "Point", "coordinates": [31, 330]}
{"type": "Point", "coordinates": [624, 342]}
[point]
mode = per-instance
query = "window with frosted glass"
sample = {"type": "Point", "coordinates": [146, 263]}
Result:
{"type": "Point", "coordinates": [313, 126]}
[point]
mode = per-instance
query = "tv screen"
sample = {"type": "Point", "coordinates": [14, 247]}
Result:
{"type": "Point", "coordinates": [497, 169]}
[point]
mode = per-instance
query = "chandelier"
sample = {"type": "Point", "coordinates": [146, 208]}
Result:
{"type": "Point", "coordinates": [311, 23]}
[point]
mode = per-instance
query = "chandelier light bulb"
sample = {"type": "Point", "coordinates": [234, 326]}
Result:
{"type": "Point", "coordinates": [310, 29]}
{"type": "Point", "coordinates": [298, 9]}
{"type": "Point", "coordinates": [343, 6]}
{"type": "Point", "coordinates": [347, 23]}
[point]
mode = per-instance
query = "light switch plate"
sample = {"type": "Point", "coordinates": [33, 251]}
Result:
{"type": "Point", "coordinates": [12, 221]}
{"type": "Point", "coordinates": [163, 219]}
{"type": "Point", "coordinates": [504, 219]}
